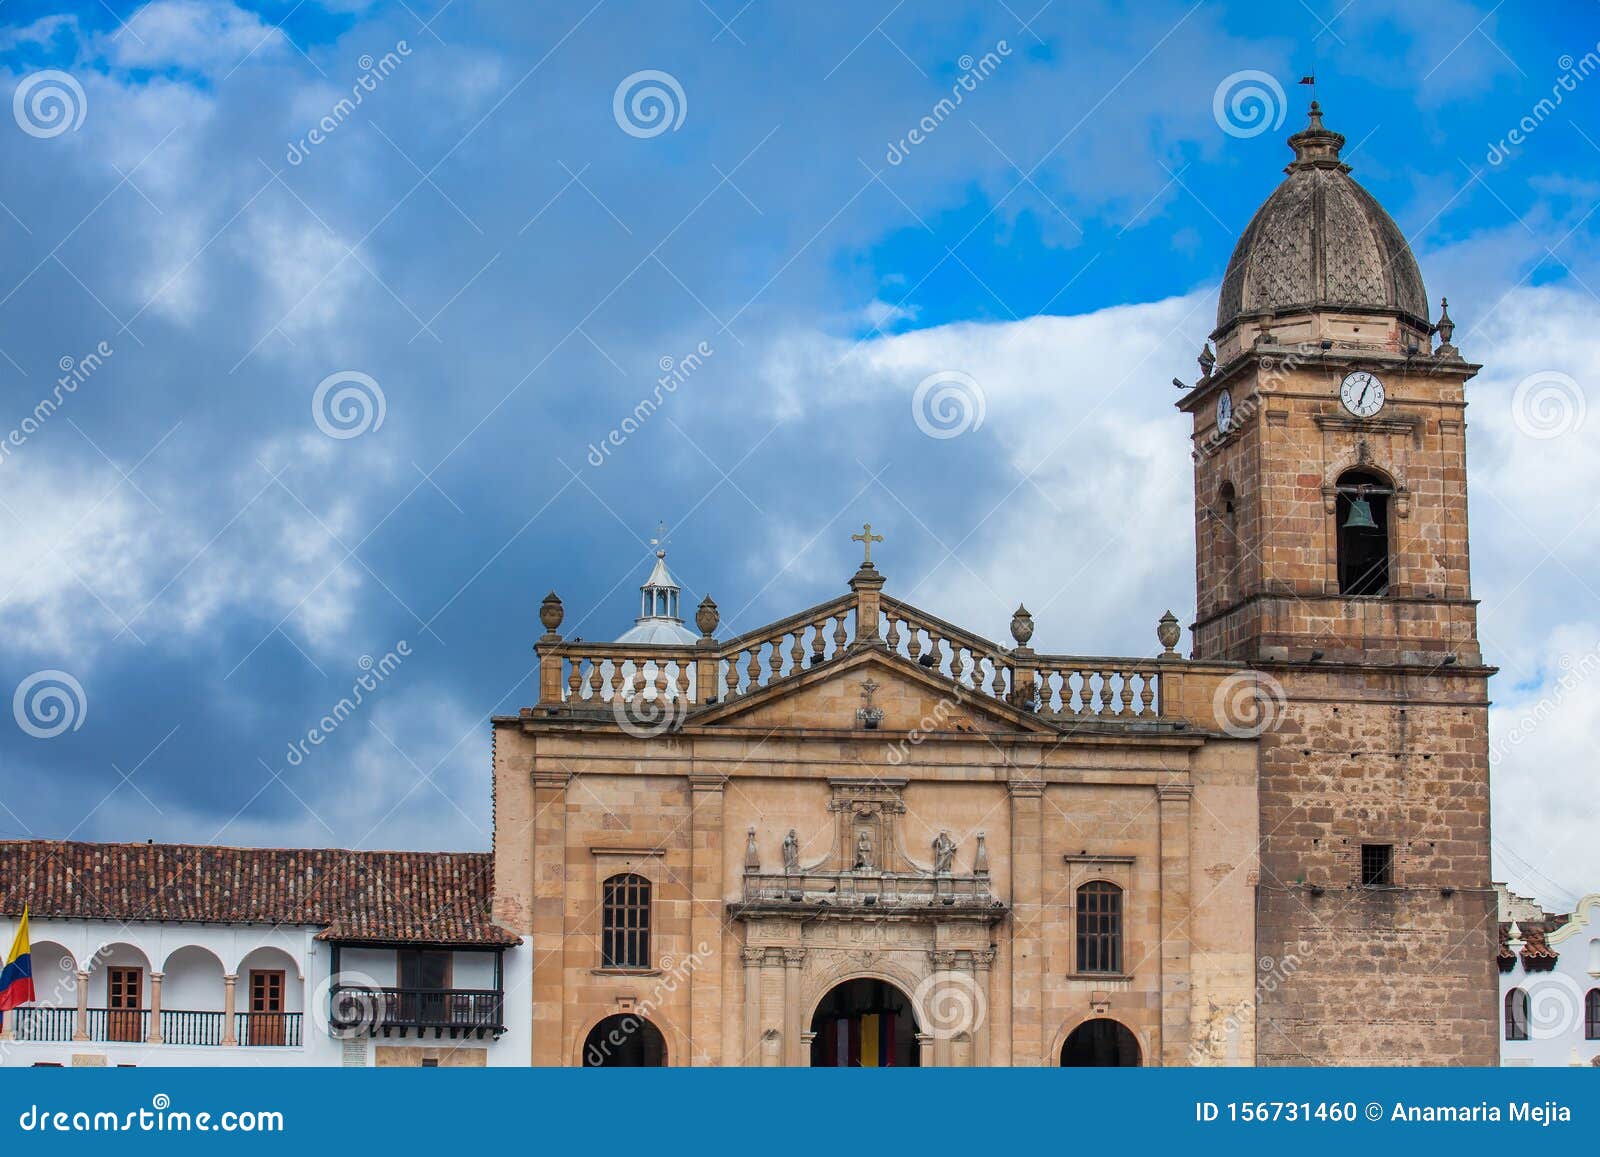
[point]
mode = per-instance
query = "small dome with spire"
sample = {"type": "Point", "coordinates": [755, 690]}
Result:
{"type": "Point", "coordinates": [1320, 242]}
{"type": "Point", "coordinates": [659, 620]}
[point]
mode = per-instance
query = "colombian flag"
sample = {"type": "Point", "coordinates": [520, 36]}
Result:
{"type": "Point", "coordinates": [16, 978]}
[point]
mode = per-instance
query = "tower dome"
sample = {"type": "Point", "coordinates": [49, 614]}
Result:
{"type": "Point", "coordinates": [659, 621]}
{"type": "Point", "coordinates": [1321, 245]}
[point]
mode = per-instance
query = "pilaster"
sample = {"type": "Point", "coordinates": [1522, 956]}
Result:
{"type": "Point", "coordinates": [1027, 942]}
{"type": "Point", "coordinates": [705, 918]}
{"type": "Point", "coordinates": [550, 1042]}
{"type": "Point", "coordinates": [1174, 804]}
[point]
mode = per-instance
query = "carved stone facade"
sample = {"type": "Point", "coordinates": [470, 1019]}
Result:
{"type": "Point", "coordinates": [745, 946]}
{"type": "Point", "coordinates": [1275, 851]}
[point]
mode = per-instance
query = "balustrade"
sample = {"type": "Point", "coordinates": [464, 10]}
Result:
{"type": "Point", "coordinates": [1062, 687]}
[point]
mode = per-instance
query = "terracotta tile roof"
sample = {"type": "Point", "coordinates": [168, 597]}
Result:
{"type": "Point", "coordinates": [1537, 955]}
{"type": "Point", "coordinates": [364, 897]}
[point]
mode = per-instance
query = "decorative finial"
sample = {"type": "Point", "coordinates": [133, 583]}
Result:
{"type": "Point", "coordinates": [1315, 146]}
{"type": "Point", "coordinates": [1168, 632]}
{"type": "Point", "coordinates": [551, 612]}
{"type": "Point", "coordinates": [1021, 625]}
{"type": "Point", "coordinates": [1445, 328]}
{"type": "Point", "coordinates": [706, 617]}
{"type": "Point", "coordinates": [866, 538]}
{"type": "Point", "coordinates": [1208, 360]}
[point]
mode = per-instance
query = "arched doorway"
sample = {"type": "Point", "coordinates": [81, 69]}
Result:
{"type": "Point", "coordinates": [864, 1023]}
{"type": "Point", "coordinates": [1101, 1044]}
{"type": "Point", "coordinates": [624, 1041]}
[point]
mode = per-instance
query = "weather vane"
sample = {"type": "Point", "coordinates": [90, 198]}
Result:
{"type": "Point", "coordinates": [866, 538]}
{"type": "Point", "coordinates": [661, 535]}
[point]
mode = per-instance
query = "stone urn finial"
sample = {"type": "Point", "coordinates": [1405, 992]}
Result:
{"type": "Point", "coordinates": [1021, 626]}
{"type": "Point", "coordinates": [1445, 328]}
{"type": "Point", "coordinates": [551, 612]}
{"type": "Point", "coordinates": [706, 617]}
{"type": "Point", "coordinates": [1168, 632]}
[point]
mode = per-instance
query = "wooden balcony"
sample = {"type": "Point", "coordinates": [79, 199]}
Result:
{"type": "Point", "coordinates": [454, 1012]}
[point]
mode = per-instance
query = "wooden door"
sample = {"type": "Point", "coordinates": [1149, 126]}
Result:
{"type": "Point", "coordinates": [424, 981]}
{"type": "Point", "coordinates": [124, 996]}
{"type": "Point", "coordinates": [266, 1007]}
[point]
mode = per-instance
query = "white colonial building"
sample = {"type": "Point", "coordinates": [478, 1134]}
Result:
{"type": "Point", "coordinates": [151, 954]}
{"type": "Point", "coordinates": [1549, 982]}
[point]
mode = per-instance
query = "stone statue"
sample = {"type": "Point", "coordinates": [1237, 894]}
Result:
{"type": "Point", "coordinates": [752, 855]}
{"type": "Point", "coordinates": [863, 849]}
{"type": "Point", "coordinates": [791, 852]}
{"type": "Point", "coordinates": [944, 850]}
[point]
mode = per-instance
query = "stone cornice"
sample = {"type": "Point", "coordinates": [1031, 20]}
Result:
{"type": "Point", "coordinates": [1330, 359]}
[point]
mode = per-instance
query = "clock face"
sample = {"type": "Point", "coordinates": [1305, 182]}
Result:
{"type": "Point", "coordinates": [1361, 393]}
{"type": "Point", "coordinates": [1224, 412]}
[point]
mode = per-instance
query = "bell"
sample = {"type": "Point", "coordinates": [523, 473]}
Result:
{"type": "Point", "coordinates": [1360, 517]}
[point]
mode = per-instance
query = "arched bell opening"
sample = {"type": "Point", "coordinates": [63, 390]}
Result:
{"type": "Point", "coordinates": [1361, 516]}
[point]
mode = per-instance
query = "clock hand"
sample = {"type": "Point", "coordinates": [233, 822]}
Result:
{"type": "Point", "coordinates": [1362, 397]}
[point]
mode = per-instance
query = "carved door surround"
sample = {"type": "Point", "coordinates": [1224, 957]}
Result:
{"type": "Point", "coordinates": [943, 966]}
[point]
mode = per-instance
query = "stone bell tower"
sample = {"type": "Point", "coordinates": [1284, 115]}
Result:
{"type": "Point", "coordinates": [1331, 559]}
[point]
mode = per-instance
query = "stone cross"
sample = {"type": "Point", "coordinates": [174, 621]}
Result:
{"type": "Point", "coordinates": [866, 538]}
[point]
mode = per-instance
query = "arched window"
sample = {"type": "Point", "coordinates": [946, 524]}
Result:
{"type": "Point", "coordinates": [1361, 515]}
{"type": "Point", "coordinates": [1591, 1015]}
{"type": "Point", "coordinates": [1226, 555]}
{"type": "Point", "coordinates": [1516, 1015]}
{"type": "Point", "coordinates": [625, 923]}
{"type": "Point", "coordinates": [1099, 927]}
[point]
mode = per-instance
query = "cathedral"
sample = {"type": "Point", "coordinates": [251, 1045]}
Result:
{"type": "Point", "coordinates": [863, 835]}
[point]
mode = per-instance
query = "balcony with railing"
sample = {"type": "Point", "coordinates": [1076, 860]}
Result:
{"type": "Point", "coordinates": [132, 1026]}
{"type": "Point", "coordinates": [455, 1012]}
{"type": "Point", "coordinates": [31, 1023]}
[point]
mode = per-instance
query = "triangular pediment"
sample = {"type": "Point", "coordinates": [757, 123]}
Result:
{"type": "Point", "coordinates": [910, 696]}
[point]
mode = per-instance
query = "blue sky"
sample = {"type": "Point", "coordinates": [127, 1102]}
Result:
{"type": "Point", "coordinates": [508, 267]}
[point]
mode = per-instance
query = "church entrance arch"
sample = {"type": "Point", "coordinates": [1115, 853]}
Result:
{"type": "Point", "coordinates": [624, 1041]}
{"type": "Point", "coordinates": [1101, 1043]}
{"type": "Point", "coordinates": [864, 1023]}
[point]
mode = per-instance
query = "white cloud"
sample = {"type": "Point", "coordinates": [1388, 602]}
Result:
{"type": "Point", "coordinates": [1092, 476]}
{"type": "Point", "coordinates": [884, 315]}
{"type": "Point", "coordinates": [307, 277]}
{"type": "Point", "coordinates": [90, 557]}
{"type": "Point", "coordinates": [204, 36]}
{"type": "Point", "coordinates": [41, 31]}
